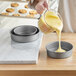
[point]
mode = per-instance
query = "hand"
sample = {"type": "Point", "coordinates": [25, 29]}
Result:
{"type": "Point", "coordinates": [41, 5]}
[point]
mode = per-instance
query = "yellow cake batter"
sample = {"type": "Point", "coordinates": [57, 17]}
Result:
{"type": "Point", "coordinates": [52, 22]}
{"type": "Point", "coordinates": [55, 22]}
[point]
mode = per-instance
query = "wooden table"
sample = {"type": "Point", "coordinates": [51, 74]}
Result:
{"type": "Point", "coordinates": [46, 66]}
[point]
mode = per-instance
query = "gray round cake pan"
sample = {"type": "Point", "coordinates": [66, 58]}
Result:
{"type": "Point", "coordinates": [24, 38]}
{"type": "Point", "coordinates": [52, 47]}
{"type": "Point", "coordinates": [25, 30]}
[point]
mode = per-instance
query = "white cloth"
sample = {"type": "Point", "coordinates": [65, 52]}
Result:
{"type": "Point", "coordinates": [67, 9]}
{"type": "Point", "coordinates": [53, 4]}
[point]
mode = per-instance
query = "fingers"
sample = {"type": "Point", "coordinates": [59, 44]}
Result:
{"type": "Point", "coordinates": [40, 7]}
{"type": "Point", "coordinates": [45, 4]}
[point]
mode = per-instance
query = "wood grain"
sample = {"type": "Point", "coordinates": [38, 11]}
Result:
{"type": "Point", "coordinates": [46, 63]}
{"type": "Point", "coordinates": [37, 73]}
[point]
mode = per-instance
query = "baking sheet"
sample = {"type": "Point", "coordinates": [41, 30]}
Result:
{"type": "Point", "coordinates": [7, 4]}
{"type": "Point", "coordinates": [16, 0]}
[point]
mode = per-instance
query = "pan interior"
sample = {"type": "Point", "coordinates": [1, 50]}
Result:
{"type": "Point", "coordinates": [54, 46]}
{"type": "Point", "coordinates": [25, 30]}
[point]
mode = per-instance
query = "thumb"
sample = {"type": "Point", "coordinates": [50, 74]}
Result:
{"type": "Point", "coordinates": [45, 4]}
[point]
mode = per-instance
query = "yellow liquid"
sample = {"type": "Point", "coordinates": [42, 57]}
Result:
{"type": "Point", "coordinates": [59, 37]}
{"type": "Point", "coordinates": [54, 21]}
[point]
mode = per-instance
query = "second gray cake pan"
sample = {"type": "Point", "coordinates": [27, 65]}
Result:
{"type": "Point", "coordinates": [24, 39]}
{"type": "Point", "coordinates": [52, 47]}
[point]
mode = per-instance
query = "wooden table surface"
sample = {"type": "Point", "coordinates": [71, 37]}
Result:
{"type": "Point", "coordinates": [46, 63]}
{"type": "Point", "coordinates": [46, 66]}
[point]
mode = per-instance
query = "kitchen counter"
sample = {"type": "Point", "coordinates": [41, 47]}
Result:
{"type": "Point", "coordinates": [46, 65]}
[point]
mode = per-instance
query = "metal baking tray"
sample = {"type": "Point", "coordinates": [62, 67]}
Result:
{"type": "Point", "coordinates": [7, 4]}
{"type": "Point", "coordinates": [16, 0]}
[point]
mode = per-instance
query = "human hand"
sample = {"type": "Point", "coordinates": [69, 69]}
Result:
{"type": "Point", "coordinates": [41, 5]}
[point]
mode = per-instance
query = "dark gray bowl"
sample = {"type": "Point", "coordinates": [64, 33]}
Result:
{"type": "Point", "coordinates": [24, 38]}
{"type": "Point", "coordinates": [25, 30]}
{"type": "Point", "coordinates": [52, 47]}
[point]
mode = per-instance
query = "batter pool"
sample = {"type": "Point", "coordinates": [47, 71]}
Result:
{"type": "Point", "coordinates": [55, 23]}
